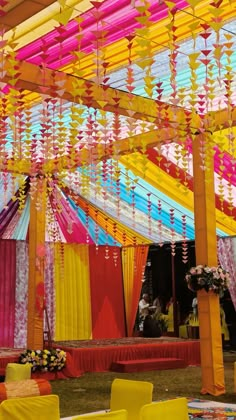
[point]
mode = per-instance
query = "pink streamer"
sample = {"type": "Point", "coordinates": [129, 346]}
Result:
{"type": "Point", "coordinates": [121, 21]}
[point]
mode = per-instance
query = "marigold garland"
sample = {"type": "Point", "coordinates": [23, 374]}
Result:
{"type": "Point", "coordinates": [44, 360]}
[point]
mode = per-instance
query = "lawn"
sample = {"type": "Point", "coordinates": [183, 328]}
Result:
{"type": "Point", "coordinates": [91, 392]}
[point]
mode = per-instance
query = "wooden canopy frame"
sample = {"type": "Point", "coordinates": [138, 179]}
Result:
{"type": "Point", "coordinates": [113, 100]}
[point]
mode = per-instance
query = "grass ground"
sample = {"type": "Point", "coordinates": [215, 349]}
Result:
{"type": "Point", "coordinates": [91, 392]}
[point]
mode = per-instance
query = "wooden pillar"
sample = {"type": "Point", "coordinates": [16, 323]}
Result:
{"type": "Point", "coordinates": [36, 267]}
{"type": "Point", "coordinates": [206, 254]}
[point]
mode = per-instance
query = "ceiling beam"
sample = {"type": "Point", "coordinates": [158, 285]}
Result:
{"type": "Point", "coordinates": [95, 154]}
{"type": "Point", "coordinates": [218, 120]}
{"type": "Point", "coordinates": [16, 12]}
{"type": "Point", "coordinates": [100, 97]}
{"type": "Point", "coordinates": [114, 100]}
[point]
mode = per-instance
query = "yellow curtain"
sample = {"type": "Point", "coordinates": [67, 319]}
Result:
{"type": "Point", "coordinates": [167, 184]}
{"type": "Point", "coordinates": [133, 265]}
{"type": "Point", "coordinates": [128, 281]}
{"type": "Point", "coordinates": [72, 290]}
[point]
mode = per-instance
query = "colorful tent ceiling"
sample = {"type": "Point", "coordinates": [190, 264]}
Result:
{"type": "Point", "coordinates": [118, 166]}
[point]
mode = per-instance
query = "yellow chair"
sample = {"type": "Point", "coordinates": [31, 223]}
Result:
{"type": "Point", "coordinates": [43, 407]}
{"type": "Point", "coordinates": [17, 372]}
{"type": "Point", "coordinates": [112, 415]}
{"type": "Point", "coordinates": [176, 409]}
{"type": "Point", "coordinates": [130, 395]}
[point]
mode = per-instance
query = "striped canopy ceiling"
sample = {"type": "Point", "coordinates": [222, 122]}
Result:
{"type": "Point", "coordinates": [103, 100]}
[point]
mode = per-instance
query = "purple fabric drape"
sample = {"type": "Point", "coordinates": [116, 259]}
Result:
{"type": "Point", "coordinates": [227, 259]}
{"type": "Point", "coordinates": [7, 292]}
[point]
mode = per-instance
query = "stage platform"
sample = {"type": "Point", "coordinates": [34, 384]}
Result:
{"type": "Point", "coordinates": [98, 355]}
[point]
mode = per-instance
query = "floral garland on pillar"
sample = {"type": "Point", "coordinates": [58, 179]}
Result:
{"type": "Point", "coordinates": [214, 279]}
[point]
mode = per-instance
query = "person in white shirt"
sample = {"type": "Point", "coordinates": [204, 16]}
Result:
{"type": "Point", "coordinates": [143, 309]}
{"type": "Point", "coordinates": [195, 307]}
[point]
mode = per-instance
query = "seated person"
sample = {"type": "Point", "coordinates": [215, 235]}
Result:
{"type": "Point", "coordinates": [157, 306]}
{"type": "Point", "coordinates": [151, 327]}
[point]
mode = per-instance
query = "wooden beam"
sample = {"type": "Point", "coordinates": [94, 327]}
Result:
{"type": "Point", "coordinates": [35, 79]}
{"type": "Point", "coordinates": [206, 254]}
{"type": "Point", "coordinates": [218, 120]}
{"type": "Point", "coordinates": [17, 12]}
{"type": "Point", "coordinates": [95, 154]}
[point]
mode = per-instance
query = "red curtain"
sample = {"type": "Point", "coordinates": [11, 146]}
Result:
{"type": "Point", "coordinates": [7, 292]}
{"type": "Point", "coordinates": [107, 298]}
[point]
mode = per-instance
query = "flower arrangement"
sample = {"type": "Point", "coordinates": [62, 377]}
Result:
{"type": "Point", "coordinates": [200, 277]}
{"type": "Point", "coordinates": [44, 360]}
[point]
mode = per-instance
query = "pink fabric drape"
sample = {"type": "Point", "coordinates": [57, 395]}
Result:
{"type": "Point", "coordinates": [227, 259]}
{"type": "Point", "coordinates": [49, 287]}
{"type": "Point", "coordinates": [7, 292]}
{"type": "Point", "coordinates": [73, 230]}
{"type": "Point", "coordinates": [106, 289]}
{"type": "Point", "coordinates": [21, 300]}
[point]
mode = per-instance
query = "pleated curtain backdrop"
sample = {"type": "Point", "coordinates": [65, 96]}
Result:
{"type": "Point", "coordinates": [72, 291]}
{"type": "Point", "coordinates": [7, 292]}
{"type": "Point", "coordinates": [227, 258]}
{"type": "Point", "coordinates": [107, 297]}
{"type": "Point", "coordinates": [133, 265]}
{"type": "Point", "coordinates": [21, 300]}
{"type": "Point", "coordinates": [50, 288]}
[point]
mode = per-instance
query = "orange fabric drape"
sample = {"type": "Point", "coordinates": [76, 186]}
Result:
{"type": "Point", "coordinates": [133, 264]}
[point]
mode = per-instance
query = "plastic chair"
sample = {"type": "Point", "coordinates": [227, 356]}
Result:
{"type": "Point", "coordinates": [31, 408]}
{"type": "Point", "coordinates": [176, 409]}
{"type": "Point", "coordinates": [112, 415]}
{"type": "Point", "coordinates": [17, 372]}
{"type": "Point", "coordinates": [130, 395]}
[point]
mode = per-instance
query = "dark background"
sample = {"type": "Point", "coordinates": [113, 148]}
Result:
{"type": "Point", "coordinates": [165, 272]}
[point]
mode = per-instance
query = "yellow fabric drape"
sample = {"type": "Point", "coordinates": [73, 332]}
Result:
{"type": "Point", "coordinates": [36, 267]}
{"type": "Point", "coordinates": [72, 290]}
{"type": "Point", "coordinates": [128, 281]}
{"type": "Point", "coordinates": [133, 265]}
{"type": "Point", "coordinates": [165, 183]}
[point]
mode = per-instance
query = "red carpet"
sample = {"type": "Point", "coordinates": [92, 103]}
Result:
{"type": "Point", "coordinates": [141, 365]}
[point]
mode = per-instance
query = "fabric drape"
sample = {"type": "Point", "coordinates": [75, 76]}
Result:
{"type": "Point", "coordinates": [7, 292]}
{"type": "Point", "coordinates": [107, 298]}
{"type": "Point", "coordinates": [49, 287]}
{"type": "Point", "coordinates": [123, 234]}
{"type": "Point", "coordinates": [133, 264]}
{"type": "Point", "coordinates": [227, 259]}
{"type": "Point", "coordinates": [73, 310]}
{"type": "Point", "coordinates": [21, 305]}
